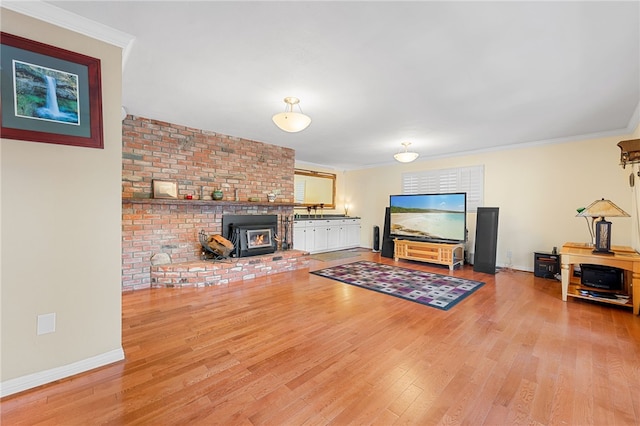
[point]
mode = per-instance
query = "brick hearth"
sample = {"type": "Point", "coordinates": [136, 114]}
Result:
{"type": "Point", "coordinates": [207, 273]}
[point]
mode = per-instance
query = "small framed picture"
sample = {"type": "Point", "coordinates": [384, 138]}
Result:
{"type": "Point", "coordinates": [165, 189]}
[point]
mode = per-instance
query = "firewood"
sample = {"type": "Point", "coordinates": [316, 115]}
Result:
{"type": "Point", "coordinates": [220, 245]}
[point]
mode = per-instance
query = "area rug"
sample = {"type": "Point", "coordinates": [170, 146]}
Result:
{"type": "Point", "coordinates": [334, 255]}
{"type": "Point", "coordinates": [439, 291]}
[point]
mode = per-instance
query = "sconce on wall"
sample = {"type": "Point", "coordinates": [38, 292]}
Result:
{"type": "Point", "coordinates": [406, 156]}
{"type": "Point", "coordinates": [291, 121]}
{"type": "Point", "coordinates": [629, 152]}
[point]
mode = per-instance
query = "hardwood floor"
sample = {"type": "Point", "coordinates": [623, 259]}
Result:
{"type": "Point", "coordinates": [295, 348]}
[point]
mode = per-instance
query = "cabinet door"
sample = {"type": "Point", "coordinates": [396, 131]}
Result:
{"type": "Point", "coordinates": [343, 235]}
{"type": "Point", "coordinates": [334, 234]}
{"type": "Point", "coordinates": [309, 237]}
{"type": "Point", "coordinates": [353, 233]}
{"type": "Point", "coordinates": [299, 236]}
{"type": "Point", "coordinates": [320, 237]}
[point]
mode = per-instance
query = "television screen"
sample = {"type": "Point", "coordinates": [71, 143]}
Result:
{"type": "Point", "coordinates": [429, 217]}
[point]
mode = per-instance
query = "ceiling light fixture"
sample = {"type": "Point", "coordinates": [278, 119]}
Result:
{"type": "Point", "coordinates": [291, 121]}
{"type": "Point", "coordinates": [406, 156]}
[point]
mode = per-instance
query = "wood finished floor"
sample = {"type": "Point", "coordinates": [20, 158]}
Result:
{"type": "Point", "coordinates": [298, 349]}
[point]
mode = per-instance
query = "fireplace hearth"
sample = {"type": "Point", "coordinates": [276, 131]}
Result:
{"type": "Point", "coordinates": [251, 235]}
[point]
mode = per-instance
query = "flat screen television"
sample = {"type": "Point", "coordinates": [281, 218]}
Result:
{"type": "Point", "coordinates": [440, 218]}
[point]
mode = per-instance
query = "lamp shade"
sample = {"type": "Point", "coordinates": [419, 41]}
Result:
{"type": "Point", "coordinates": [406, 156]}
{"type": "Point", "coordinates": [291, 121]}
{"type": "Point", "coordinates": [602, 208]}
{"type": "Point", "coordinates": [602, 232]}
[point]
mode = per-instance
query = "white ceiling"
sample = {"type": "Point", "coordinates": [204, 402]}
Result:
{"type": "Point", "coordinates": [449, 77]}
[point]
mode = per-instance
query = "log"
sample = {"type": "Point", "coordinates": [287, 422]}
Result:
{"type": "Point", "coordinates": [220, 245]}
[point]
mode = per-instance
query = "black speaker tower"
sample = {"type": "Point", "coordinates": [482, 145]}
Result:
{"type": "Point", "coordinates": [387, 241]}
{"type": "Point", "coordinates": [376, 239]}
{"type": "Point", "coordinates": [484, 256]}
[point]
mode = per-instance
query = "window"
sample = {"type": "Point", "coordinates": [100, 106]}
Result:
{"type": "Point", "coordinates": [298, 192]}
{"type": "Point", "coordinates": [459, 179]}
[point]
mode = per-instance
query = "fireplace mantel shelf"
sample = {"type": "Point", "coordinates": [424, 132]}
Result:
{"type": "Point", "coordinates": [164, 201]}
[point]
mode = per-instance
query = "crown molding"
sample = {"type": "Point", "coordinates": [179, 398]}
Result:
{"type": "Point", "coordinates": [73, 22]}
{"type": "Point", "coordinates": [634, 121]}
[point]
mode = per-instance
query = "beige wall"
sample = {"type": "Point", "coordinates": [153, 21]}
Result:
{"type": "Point", "coordinates": [635, 213]}
{"type": "Point", "coordinates": [537, 189]}
{"type": "Point", "coordinates": [61, 235]}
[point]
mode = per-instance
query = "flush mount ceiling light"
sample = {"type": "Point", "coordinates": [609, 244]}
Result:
{"type": "Point", "coordinates": [406, 156]}
{"type": "Point", "coordinates": [291, 121]}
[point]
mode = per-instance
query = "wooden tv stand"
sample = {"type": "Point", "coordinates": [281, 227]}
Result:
{"type": "Point", "coordinates": [450, 254]}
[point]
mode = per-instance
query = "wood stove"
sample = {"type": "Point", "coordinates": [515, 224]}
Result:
{"type": "Point", "coordinates": [251, 235]}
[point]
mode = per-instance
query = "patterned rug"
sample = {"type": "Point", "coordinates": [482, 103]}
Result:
{"type": "Point", "coordinates": [439, 291]}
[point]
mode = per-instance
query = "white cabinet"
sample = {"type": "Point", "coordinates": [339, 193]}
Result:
{"type": "Point", "coordinates": [321, 238]}
{"type": "Point", "coordinates": [334, 232]}
{"type": "Point", "coordinates": [299, 237]}
{"type": "Point", "coordinates": [320, 235]}
{"type": "Point", "coordinates": [309, 238]}
{"type": "Point", "coordinates": [353, 233]}
{"type": "Point", "coordinates": [303, 234]}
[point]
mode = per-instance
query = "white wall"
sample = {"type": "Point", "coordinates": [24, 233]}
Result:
{"type": "Point", "coordinates": [537, 190]}
{"type": "Point", "coordinates": [61, 236]}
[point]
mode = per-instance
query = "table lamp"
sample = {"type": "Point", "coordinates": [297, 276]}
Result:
{"type": "Point", "coordinates": [600, 209]}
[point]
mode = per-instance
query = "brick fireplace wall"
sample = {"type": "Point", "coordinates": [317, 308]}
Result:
{"type": "Point", "coordinates": [199, 161]}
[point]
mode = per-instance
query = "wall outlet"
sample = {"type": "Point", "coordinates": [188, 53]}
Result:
{"type": "Point", "coordinates": [509, 263]}
{"type": "Point", "coordinates": [46, 323]}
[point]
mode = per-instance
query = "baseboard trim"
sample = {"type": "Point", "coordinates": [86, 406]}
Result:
{"type": "Point", "coordinates": [19, 384]}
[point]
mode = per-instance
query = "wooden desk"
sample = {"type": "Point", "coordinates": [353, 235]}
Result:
{"type": "Point", "coordinates": [624, 258]}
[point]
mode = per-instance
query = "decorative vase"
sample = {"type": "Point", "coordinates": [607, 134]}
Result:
{"type": "Point", "coordinates": [217, 194]}
{"type": "Point", "coordinates": [271, 197]}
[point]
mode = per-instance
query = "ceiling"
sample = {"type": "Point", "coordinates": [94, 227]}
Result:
{"type": "Point", "coordinates": [449, 77]}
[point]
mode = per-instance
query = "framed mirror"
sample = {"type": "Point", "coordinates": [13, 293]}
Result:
{"type": "Point", "coordinates": [314, 188]}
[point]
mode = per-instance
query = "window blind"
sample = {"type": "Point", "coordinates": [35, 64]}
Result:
{"type": "Point", "coordinates": [460, 179]}
{"type": "Point", "coordinates": [298, 192]}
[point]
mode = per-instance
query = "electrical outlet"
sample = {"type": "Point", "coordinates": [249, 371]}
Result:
{"type": "Point", "coordinates": [509, 263]}
{"type": "Point", "coordinates": [46, 323]}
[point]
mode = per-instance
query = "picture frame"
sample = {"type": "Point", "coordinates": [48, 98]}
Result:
{"type": "Point", "coordinates": [167, 189]}
{"type": "Point", "coordinates": [49, 94]}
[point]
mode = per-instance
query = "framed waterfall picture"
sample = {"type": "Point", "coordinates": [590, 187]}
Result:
{"type": "Point", "coordinates": [49, 94]}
